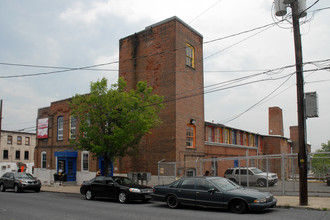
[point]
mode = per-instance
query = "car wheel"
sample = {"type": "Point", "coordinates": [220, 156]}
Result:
{"type": "Point", "coordinates": [172, 202]}
{"type": "Point", "coordinates": [262, 182]}
{"type": "Point", "coordinates": [122, 197]}
{"type": "Point", "coordinates": [89, 195]}
{"type": "Point", "coordinates": [238, 206]}
{"type": "Point", "coordinates": [17, 189]}
{"type": "Point", "coordinates": [37, 190]}
{"type": "Point", "coordinates": [2, 188]}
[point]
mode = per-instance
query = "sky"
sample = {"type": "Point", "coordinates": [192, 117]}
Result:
{"type": "Point", "coordinates": [248, 54]}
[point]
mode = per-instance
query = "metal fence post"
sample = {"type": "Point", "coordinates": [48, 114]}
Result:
{"type": "Point", "coordinates": [197, 166]}
{"type": "Point", "coordinates": [267, 168]}
{"type": "Point", "coordinates": [247, 168]}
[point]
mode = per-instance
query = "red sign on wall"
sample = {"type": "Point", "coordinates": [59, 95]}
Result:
{"type": "Point", "coordinates": [42, 128]}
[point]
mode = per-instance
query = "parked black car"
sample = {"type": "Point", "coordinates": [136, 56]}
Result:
{"type": "Point", "coordinates": [213, 192]}
{"type": "Point", "coordinates": [122, 188]}
{"type": "Point", "coordinates": [19, 182]}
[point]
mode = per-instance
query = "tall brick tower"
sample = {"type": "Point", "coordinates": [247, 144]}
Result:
{"type": "Point", "coordinates": [169, 56]}
{"type": "Point", "coordinates": [275, 121]}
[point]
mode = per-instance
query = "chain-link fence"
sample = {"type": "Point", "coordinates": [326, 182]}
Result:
{"type": "Point", "coordinates": [276, 173]}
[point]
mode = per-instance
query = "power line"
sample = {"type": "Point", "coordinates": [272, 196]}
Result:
{"type": "Point", "coordinates": [65, 69]}
{"type": "Point", "coordinates": [58, 71]}
{"type": "Point", "coordinates": [205, 11]}
{"type": "Point", "coordinates": [230, 87]}
{"type": "Point", "coordinates": [257, 103]}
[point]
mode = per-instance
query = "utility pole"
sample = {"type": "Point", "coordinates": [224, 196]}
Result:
{"type": "Point", "coordinates": [298, 9]}
{"type": "Point", "coordinates": [302, 155]}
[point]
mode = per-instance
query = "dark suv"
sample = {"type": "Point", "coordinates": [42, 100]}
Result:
{"type": "Point", "coordinates": [19, 182]}
{"type": "Point", "coordinates": [252, 175]}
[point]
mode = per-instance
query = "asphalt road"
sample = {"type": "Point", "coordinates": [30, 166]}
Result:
{"type": "Point", "coordinates": [48, 205]}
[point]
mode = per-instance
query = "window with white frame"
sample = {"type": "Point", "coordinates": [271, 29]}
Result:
{"type": "Point", "coordinates": [238, 138]}
{"type": "Point", "coordinates": [60, 128]}
{"type": "Point", "coordinates": [85, 161]}
{"type": "Point", "coordinates": [226, 136]}
{"type": "Point", "coordinates": [217, 135]}
{"type": "Point", "coordinates": [73, 127]}
{"type": "Point", "coordinates": [233, 137]}
{"type": "Point", "coordinates": [43, 160]}
{"type": "Point", "coordinates": [209, 134]}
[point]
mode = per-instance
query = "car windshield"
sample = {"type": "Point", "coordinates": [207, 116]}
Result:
{"type": "Point", "coordinates": [124, 181]}
{"type": "Point", "coordinates": [24, 176]}
{"type": "Point", "coordinates": [256, 171]}
{"type": "Point", "coordinates": [225, 184]}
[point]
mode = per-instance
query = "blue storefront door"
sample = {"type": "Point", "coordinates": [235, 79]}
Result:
{"type": "Point", "coordinates": [101, 166]}
{"type": "Point", "coordinates": [67, 162]}
{"type": "Point", "coordinates": [71, 169]}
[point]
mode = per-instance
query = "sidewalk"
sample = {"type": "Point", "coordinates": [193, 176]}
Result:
{"type": "Point", "coordinates": [320, 203]}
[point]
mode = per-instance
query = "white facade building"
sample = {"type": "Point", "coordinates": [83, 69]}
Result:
{"type": "Point", "coordinates": [17, 151]}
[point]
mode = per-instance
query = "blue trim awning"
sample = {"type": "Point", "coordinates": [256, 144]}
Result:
{"type": "Point", "coordinates": [66, 154]}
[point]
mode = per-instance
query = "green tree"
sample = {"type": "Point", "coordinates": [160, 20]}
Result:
{"type": "Point", "coordinates": [113, 121]}
{"type": "Point", "coordinates": [321, 160]}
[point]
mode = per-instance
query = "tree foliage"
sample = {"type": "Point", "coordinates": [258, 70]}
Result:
{"type": "Point", "coordinates": [113, 121]}
{"type": "Point", "coordinates": [321, 160]}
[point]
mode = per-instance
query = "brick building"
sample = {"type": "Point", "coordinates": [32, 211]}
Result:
{"type": "Point", "coordinates": [169, 56]}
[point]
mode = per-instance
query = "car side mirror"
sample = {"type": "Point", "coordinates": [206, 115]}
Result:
{"type": "Point", "coordinates": [212, 190]}
{"type": "Point", "coordinates": [110, 183]}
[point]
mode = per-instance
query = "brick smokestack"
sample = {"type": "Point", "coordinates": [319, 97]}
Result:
{"type": "Point", "coordinates": [275, 124]}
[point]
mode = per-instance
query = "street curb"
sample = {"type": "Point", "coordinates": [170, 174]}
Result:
{"type": "Point", "coordinates": [301, 207]}
{"type": "Point", "coordinates": [285, 206]}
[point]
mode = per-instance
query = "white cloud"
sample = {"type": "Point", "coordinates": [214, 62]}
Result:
{"type": "Point", "coordinates": [79, 33]}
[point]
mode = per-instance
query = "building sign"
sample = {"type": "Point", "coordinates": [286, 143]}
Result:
{"type": "Point", "coordinates": [42, 128]}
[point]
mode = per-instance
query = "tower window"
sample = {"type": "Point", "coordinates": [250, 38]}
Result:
{"type": "Point", "coordinates": [190, 56]}
{"type": "Point", "coordinates": [190, 136]}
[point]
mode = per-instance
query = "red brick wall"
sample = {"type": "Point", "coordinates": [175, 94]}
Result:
{"type": "Point", "coordinates": [222, 152]}
{"type": "Point", "coordinates": [157, 55]}
{"type": "Point", "coordinates": [51, 144]}
{"type": "Point", "coordinates": [275, 121]}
